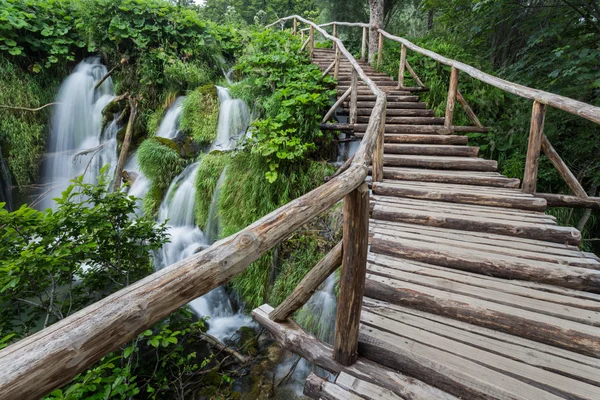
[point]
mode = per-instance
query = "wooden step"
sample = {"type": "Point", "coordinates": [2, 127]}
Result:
{"type": "Point", "coordinates": [396, 98]}
{"type": "Point", "coordinates": [452, 163]}
{"type": "Point", "coordinates": [448, 176]}
{"type": "Point", "coordinates": [384, 88]}
{"type": "Point", "coordinates": [430, 213]}
{"type": "Point", "coordinates": [458, 194]}
{"type": "Point", "coordinates": [431, 150]}
{"type": "Point", "coordinates": [397, 112]}
{"type": "Point", "coordinates": [391, 105]}
{"type": "Point", "coordinates": [423, 139]}
{"type": "Point", "coordinates": [469, 361]}
{"type": "Point", "coordinates": [405, 120]}
{"type": "Point", "coordinates": [422, 129]}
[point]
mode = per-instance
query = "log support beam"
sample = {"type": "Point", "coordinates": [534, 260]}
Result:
{"type": "Point", "coordinates": [352, 279]}
{"type": "Point", "coordinates": [402, 67]}
{"type": "Point", "coordinates": [295, 26]}
{"type": "Point", "coordinates": [536, 133]}
{"type": "Point", "coordinates": [562, 168]}
{"type": "Point", "coordinates": [380, 51]}
{"type": "Point", "coordinates": [353, 97]}
{"type": "Point", "coordinates": [311, 41]}
{"type": "Point", "coordinates": [452, 90]}
{"type": "Point", "coordinates": [363, 51]}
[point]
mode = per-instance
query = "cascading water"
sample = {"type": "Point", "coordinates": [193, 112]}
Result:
{"type": "Point", "coordinates": [169, 127]}
{"type": "Point", "coordinates": [76, 144]}
{"type": "Point", "coordinates": [234, 120]}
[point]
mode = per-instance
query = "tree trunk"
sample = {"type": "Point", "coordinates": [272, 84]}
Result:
{"type": "Point", "coordinates": [429, 20]}
{"type": "Point", "coordinates": [376, 22]}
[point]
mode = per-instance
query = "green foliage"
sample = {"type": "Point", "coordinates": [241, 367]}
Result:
{"type": "Point", "coordinates": [89, 238]}
{"type": "Point", "coordinates": [288, 92]}
{"type": "Point", "coordinates": [201, 114]}
{"type": "Point", "coordinates": [160, 161]}
{"type": "Point", "coordinates": [257, 12]}
{"type": "Point", "coordinates": [22, 133]}
{"type": "Point", "coordinates": [209, 171]}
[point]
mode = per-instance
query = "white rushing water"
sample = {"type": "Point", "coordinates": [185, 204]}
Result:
{"type": "Point", "coordinates": [169, 127]}
{"type": "Point", "coordinates": [76, 144]}
{"type": "Point", "coordinates": [234, 119]}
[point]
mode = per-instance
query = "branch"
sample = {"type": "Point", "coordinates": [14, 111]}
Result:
{"type": "Point", "coordinates": [105, 77]}
{"type": "Point", "coordinates": [220, 346]}
{"type": "Point", "coordinates": [29, 109]}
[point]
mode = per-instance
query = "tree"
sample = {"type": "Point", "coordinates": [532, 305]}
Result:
{"type": "Point", "coordinates": [375, 22]}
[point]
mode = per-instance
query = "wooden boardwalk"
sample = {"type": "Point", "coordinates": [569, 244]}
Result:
{"type": "Point", "coordinates": [470, 288]}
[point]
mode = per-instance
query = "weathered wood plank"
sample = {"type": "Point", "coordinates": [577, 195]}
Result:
{"type": "Point", "coordinates": [365, 389]}
{"type": "Point", "coordinates": [536, 133]}
{"type": "Point", "coordinates": [316, 387]}
{"type": "Point", "coordinates": [452, 89]}
{"type": "Point", "coordinates": [352, 277]}
{"type": "Point", "coordinates": [439, 162]}
{"type": "Point", "coordinates": [432, 150]}
{"type": "Point", "coordinates": [294, 339]}
{"type": "Point", "coordinates": [563, 200]}
{"type": "Point", "coordinates": [448, 176]}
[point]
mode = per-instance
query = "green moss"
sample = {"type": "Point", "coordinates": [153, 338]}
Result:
{"type": "Point", "coordinates": [201, 114]}
{"type": "Point", "coordinates": [160, 162]}
{"type": "Point", "coordinates": [181, 75]}
{"type": "Point", "coordinates": [23, 133]}
{"type": "Point", "coordinates": [209, 172]}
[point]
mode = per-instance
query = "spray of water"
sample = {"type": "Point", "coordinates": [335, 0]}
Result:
{"type": "Point", "coordinates": [234, 119]}
{"type": "Point", "coordinates": [169, 127]}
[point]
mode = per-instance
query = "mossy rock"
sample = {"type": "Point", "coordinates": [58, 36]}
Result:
{"type": "Point", "coordinates": [201, 114]}
{"type": "Point", "coordinates": [167, 142]}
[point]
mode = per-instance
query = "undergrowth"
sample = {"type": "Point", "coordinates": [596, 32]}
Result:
{"type": "Point", "coordinates": [210, 170]}
{"type": "Point", "coordinates": [201, 114]}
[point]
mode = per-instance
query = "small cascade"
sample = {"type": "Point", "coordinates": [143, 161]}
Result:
{"type": "Point", "coordinates": [5, 184]}
{"type": "Point", "coordinates": [234, 120]}
{"type": "Point", "coordinates": [76, 144]}
{"type": "Point", "coordinates": [140, 185]}
{"type": "Point", "coordinates": [169, 127]}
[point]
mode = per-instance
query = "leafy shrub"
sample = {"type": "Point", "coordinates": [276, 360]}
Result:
{"type": "Point", "coordinates": [290, 96]}
{"type": "Point", "coordinates": [201, 114]}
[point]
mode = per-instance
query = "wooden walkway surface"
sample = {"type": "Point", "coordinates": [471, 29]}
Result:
{"type": "Point", "coordinates": [471, 288]}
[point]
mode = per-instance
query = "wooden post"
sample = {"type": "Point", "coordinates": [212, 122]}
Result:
{"type": "Point", "coordinates": [302, 35]}
{"type": "Point", "coordinates": [363, 52]}
{"type": "Point", "coordinates": [352, 278]}
{"type": "Point", "coordinates": [562, 168]}
{"type": "Point", "coordinates": [402, 66]}
{"type": "Point", "coordinates": [295, 26]}
{"type": "Point", "coordinates": [311, 41]}
{"type": "Point", "coordinates": [377, 162]}
{"type": "Point", "coordinates": [335, 34]}
{"type": "Point", "coordinates": [452, 89]}
{"type": "Point", "coordinates": [353, 97]}
{"type": "Point", "coordinates": [380, 50]}
{"type": "Point", "coordinates": [536, 133]}
{"type": "Point", "coordinates": [336, 69]}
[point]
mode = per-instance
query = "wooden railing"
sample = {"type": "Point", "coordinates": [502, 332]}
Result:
{"type": "Point", "coordinates": [51, 358]}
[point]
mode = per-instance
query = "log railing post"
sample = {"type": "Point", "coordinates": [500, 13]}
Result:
{"type": "Point", "coordinates": [380, 50]}
{"type": "Point", "coordinates": [352, 278]}
{"type": "Point", "coordinates": [302, 36]}
{"type": "Point", "coordinates": [536, 134]}
{"type": "Point", "coordinates": [401, 67]}
{"type": "Point", "coordinates": [336, 69]}
{"type": "Point", "coordinates": [295, 26]}
{"type": "Point", "coordinates": [311, 41]}
{"type": "Point", "coordinates": [335, 34]}
{"type": "Point", "coordinates": [377, 162]}
{"type": "Point", "coordinates": [452, 90]}
{"type": "Point", "coordinates": [363, 51]}
{"type": "Point", "coordinates": [353, 97]}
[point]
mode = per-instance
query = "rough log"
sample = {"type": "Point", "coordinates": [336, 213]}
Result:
{"type": "Point", "coordinates": [353, 97]}
{"type": "Point", "coordinates": [76, 342]}
{"type": "Point", "coordinates": [309, 284]}
{"type": "Point", "coordinates": [563, 200]}
{"type": "Point", "coordinates": [579, 108]}
{"type": "Point", "coordinates": [363, 51]}
{"type": "Point", "coordinates": [27, 108]}
{"type": "Point", "coordinates": [401, 67]}
{"type": "Point", "coordinates": [414, 75]}
{"type": "Point", "coordinates": [352, 277]}
{"type": "Point", "coordinates": [336, 71]}
{"type": "Point", "coordinates": [311, 41]}
{"type": "Point", "coordinates": [294, 339]}
{"type": "Point", "coordinates": [295, 27]}
{"type": "Point", "coordinates": [316, 387]}
{"type": "Point", "coordinates": [107, 75]}
{"type": "Point", "coordinates": [468, 109]}
{"type": "Point", "coordinates": [562, 168]}
{"type": "Point", "coordinates": [336, 127]}
{"type": "Point", "coordinates": [133, 105]}
{"type": "Point", "coordinates": [328, 69]}
{"type": "Point", "coordinates": [380, 51]}
{"type": "Point", "coordinates": [452, 89]}
{"type": "Point", "coordinates": [217, 344]}
{"type": "Point", "coordinates": [337, 104]}
{"type": "Point", "coordinates": [536, 132]}
{"type": "Point", "coordinates": [377, 172]}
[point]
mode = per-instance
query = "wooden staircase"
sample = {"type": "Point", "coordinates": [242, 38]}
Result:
{"type": "Point", "coordinates": [471, 288]}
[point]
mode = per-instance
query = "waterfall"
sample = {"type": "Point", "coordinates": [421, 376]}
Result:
{"type": "Point", "coordinates": [5, 184]}
{"type": "Point", "coordinates": [169, 127]}
{"type": "Point", "coordinates": [234, 119]}
{"type": "Point", "coordinates": [76, 144]}
{"type": "Point", "coordinates": [141, 183]}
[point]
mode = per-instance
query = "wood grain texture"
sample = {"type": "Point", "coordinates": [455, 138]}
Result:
{"type": "Point", "coordinates": [534, 145]}
{"type": "Point", "coordinates": [563, 200]}
{"type": "Point", "coordinates": [401, 67]}
{"type": "Point", "coordinates": [452, 90]}
{"type": "Point", "coordinates": [316, 387]}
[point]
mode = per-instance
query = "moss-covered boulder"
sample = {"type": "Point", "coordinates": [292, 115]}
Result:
{"type": "Point", "coordinates": [201, 114]}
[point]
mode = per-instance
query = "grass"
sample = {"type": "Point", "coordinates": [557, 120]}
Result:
{"type": "Point", "coordinates": [210, 170]}
{"type": "Point", "coordinates": [201, 114]}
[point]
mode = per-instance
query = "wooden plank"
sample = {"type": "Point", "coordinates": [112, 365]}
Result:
{"type": "Point", "coordinates": [579, 365]}
{"type": "Point", "coordinates": [536, 133]}
{"type": "Point", "coordinates": [316, 387]}
{"type": "Point", "coordinates": [296, 340]}
{"type": "Point", "coordinates": [445, 162]}
{"type": "Point", "coordinates": [563, 200]}
{"type": "Point", "coordinates": [352, 277]}
{"type": "Point", "coordinates": [407, 120]}
{"type": "Point", "coordinates": [554, 331]}
{"type": "Point", "coordinates": [400, 112]}
{"type": "Point", "coordinates": [452, 89]}
{"type": "Point", "coordinates": [445, 176]}
{"type": "Point", "coordinates": [546, 380]}
{"type": "Point", "coordinates": [405, 272]}
{"type": "Point", "coordinates": [456, 375]}
{"type": "Point", "coordinates": [309, 284]}
{"type": "Point", "coordinates": [539, 291]}
{"type": "Point", "coordinates": [507, 192]}
{"type": "Point", "coordinates": [365, 389]}
{"type": "Point", "coordinates": [463, 197]}
{"type": "Point", "coordinates": [432, 150]}
{"type": "Point", "coordinates": [401, 66]}
{"type": "Point", "coordinates": [482, 262]}
{"type": "Point", "coordinates": [557, 234]}
{"type": "Point", "coordinates": [424, 139]}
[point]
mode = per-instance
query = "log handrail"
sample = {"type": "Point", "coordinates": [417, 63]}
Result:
{"type": "Point", "coordinates": [52, 357]}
